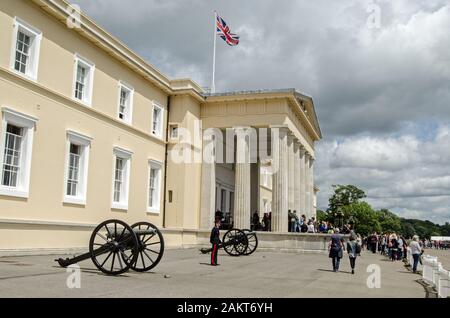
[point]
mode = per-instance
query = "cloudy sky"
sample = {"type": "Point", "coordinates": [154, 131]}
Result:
{"type": "Point", "coordinates": [378, 70]}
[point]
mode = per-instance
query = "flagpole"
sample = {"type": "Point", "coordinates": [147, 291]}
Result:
{"type": "Point", "coordinates": [213, 84]}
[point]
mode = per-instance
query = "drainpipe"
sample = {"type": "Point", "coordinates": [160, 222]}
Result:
{"type": "Point", "coordinates": [165, 161]}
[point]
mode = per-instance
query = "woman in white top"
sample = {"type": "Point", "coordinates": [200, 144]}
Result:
{"type": "Point", "coordinates": [416, 251]}
{"type": "Point", "coordinates": [311, 227]}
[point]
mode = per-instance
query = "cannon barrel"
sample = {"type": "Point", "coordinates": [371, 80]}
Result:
{"type": "Point", "coordinates": [69, 261]}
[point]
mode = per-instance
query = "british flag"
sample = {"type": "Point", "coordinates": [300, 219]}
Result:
{"type": "Point", "coordinates": [225, 33]}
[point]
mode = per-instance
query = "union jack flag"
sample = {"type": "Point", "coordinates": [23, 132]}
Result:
{"type": "Point", "coordinates": [225, 33]}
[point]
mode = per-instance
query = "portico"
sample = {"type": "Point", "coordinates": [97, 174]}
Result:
{"type": "Point", "coordinates": [274, 131]}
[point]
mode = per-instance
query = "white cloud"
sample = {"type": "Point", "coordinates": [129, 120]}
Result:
{"type": "Point", "coordinates": [406, 174]}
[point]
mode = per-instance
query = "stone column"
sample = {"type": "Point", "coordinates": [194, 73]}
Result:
{"type": "Point", "coordinates": [307, 186]}
{"type": "Point", "coordinates": [311, 185]}
{"type": "Point", "coordinates": [242, 191]}
{"type": "Point", "coordinates": [302, 180]}
{"type": "Point", "coordinates": [297, 167]}
{"type": "Point", "coordinates": [280, 179]}
{"type": "Point", "coordinates": [291, 172]}
{"type": "Point", "coordinates": [208, 187]}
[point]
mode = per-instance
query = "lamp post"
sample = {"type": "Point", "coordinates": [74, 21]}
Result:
{"type": "Point", "coordinates": [339, 218]}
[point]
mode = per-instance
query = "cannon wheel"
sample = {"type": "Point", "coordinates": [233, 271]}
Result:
{"type": "Point", "coordinates": [252, 241]}
{"type": "Point", "coordinates": [151, 247]}
{"type": "Point", "coordinates": [111, 247]}
{"type": "Point", "coordinates": [240, 242]}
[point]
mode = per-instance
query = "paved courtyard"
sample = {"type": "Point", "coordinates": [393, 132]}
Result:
{"type": "Point", "coordinates": [186, 273]}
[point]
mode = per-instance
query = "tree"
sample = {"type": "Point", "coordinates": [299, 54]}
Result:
{"type": "Point", "coordinates": [408, 230]}
{"type": "Point", "coordinates": [322, 216]}
{"type": "Point", "coordinates": [389, 222]}
{"type": "Point", "coordinates": [364, 217]}
{"type": "Point", "coordinates": [344, 195]}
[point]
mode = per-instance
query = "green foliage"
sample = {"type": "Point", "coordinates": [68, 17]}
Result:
{"type": "Point", "coordinates": [344, 195]}
{"type": "Point", "coordinates": [365, 218]}
{"type": "Point", "coordinates": [389, 222]}
{"type": "Point", "coordinates": [347, 200]}
{"type": "Point", "coordinates": [424, 229]}
{"type": "Point", "coordinates": [321, 216]}
{"type": "Point", "coordinates": [408, 229]}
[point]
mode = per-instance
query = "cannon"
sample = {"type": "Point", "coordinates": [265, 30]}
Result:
{"type": "Point", "coordinates": [115, 247]}
{"type": "Point", "coordinates": [237, 242]}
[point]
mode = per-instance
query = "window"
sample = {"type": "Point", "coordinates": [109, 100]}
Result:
{"type": "Point", "coordinates": [154, 186]}
{"type": "Point", "coordinates": [173, 131]}
{"type": "Point", "coordinates": [125, 103]}
{"type": "Point", "coordinates": [16, 149]}
{"type": "Point", "coordinates": [26, 48]}
{"type": "Point", "coordinates": [83, 80]}
{"type": "Point", "coordinates": [157, 121]}
{"type": "Point", "coordinates": [231, 202]}
{"type": "Point", "coordinates": [73, 178]}
{"type": "Point", "coordinates": [266, 177]}
{"type": "Point", "coordinates": [223, 200]}
{"type": "Point", "coordinates": [121, 178]}
{"type": "Point", "coordinates": [75, 188]}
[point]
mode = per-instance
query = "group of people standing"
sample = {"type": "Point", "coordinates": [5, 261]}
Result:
{"type": "Point", "coordinates": [301, 224]}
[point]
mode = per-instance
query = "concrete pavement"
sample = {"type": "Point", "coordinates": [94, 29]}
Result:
{"type": "Point", "coordinates": [263, 274]}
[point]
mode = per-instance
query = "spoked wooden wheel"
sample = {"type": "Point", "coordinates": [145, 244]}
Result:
{"type": "Point", "coordinates": [112, 247]}
{"type": "Point", "coordinates": [235, 242]}
{"type": "Point", "coordinates": [150, 246]}
{"type": "Point", "coordinates": [252, 241]}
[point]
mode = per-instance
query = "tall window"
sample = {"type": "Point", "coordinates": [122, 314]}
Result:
{"type": "Point", "coordinates": [157, 121]}
{"type": "Point", "coordinates": [12, 153]}
{"type": "Point", "coordinates": [154, 186]}
{"type": "Point", "coordinates": [121, 178]}
{"type": "Point", "coordinates": [22, 52]}
{"type": "Point", "coordinates": [73, 178]}
{"type": "Point", "coordinates": [80, 85]}
{"type": "Point", "coordinates": [223, 200]}
{"type": "Point", "coordinates": [231, 202]}
{"type": "Point", "coordinates": [118, 180]}
{"type": "Point", "coordinates": [16, 149]}
{"type": "Point", "coordinates": [77, 161]}
{"type": "Point", "coordinates": [125, 103]}
{"type": "Point", "coordinates": [25, 55]}
{"type": "Point", "coordinates": [83, 80]}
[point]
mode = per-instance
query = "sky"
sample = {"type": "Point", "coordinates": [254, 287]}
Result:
{"type": "Point", "coordinates": [378, 71]}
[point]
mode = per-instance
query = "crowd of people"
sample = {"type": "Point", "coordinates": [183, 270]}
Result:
{"type": "Point", "coordinates": [391, 244]}
{"type": "Point", "coordinates": [296, 223]}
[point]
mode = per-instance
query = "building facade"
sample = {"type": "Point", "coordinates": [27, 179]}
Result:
{"type": "Point", "coordinates": [90, 131]}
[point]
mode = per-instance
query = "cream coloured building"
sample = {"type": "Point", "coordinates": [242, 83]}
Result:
{"type": "Point", "coordinates": [90, 131]}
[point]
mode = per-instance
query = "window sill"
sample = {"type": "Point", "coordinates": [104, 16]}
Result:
{"type": "Point", "coordinates": [125, 121]}
{"type": "Point", "coordinates": [160, 137]}
{"type": "Point", "coordinates": [119, 206]}
{"type": "Point", "coordinates": [32, 78]}
{"type": "Point", "coordinates": [153, 211]}
{"type": "Point", "coordinates": [83, 102]}
{"type": "Point", "coordinates": [74, 200]}
{"type": "Point", "coordinates": [11, 192]}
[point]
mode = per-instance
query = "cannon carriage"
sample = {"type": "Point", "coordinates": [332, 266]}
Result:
{"type": "Point", "coordinates": [115, 247]}
{"type": "Point", "coordinates": [237, 242]}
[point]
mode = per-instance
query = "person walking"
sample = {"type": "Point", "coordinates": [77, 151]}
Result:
{"type": "Point", "coordinates": [353, 249]}
{"type": "Point", "coordinates": [336, 247]}
{"type": "Point", "coordinates": [416, 251]}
